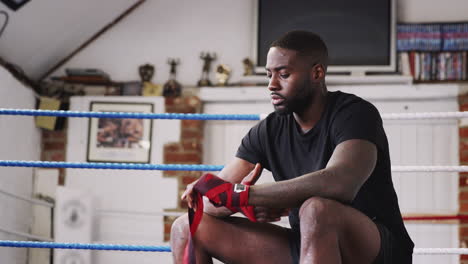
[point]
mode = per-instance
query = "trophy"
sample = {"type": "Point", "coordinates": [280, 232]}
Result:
{"type": "Point", "coordinates": [207, 59]}
{"type": "Point", "coordinates": [248, 67]}
{"type": "Point", "coordinates": [172, 88]}
{"type": "Point", "coordinates": [146, 72]}
{"type": "Point", "coordinates": [223, 72]}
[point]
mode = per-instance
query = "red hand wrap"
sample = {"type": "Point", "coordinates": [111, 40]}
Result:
{"type": "Point", "coordinates": [220, 193]}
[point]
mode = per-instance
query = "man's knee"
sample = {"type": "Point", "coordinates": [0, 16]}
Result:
{"type": "Point", "coordinates": [319, 211]}
{"type": "Point", "coordinates": [180, 228]}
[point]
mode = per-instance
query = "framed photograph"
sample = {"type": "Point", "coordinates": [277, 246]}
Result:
{"type": "Point", "coordinates": [120, 139]}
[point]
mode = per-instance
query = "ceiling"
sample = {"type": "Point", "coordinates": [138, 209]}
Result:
{"type": "Point", "coordinates": [42, 33]}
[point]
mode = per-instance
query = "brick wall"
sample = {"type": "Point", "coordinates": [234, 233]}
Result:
{"type": "Point", "coordinates": [463, 182]}
{"type": "Point", "coordinates": [53, 148]}
{"type": "Point", "coordinates": [187, 151]}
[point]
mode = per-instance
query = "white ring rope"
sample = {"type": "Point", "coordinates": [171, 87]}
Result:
{"type": "Point", "coordinates": [429, 168]}
{"type": "Point", "coordinates": [426, 218]}
{"type": "Point", "coordinates": [428, 115]}
{"type": "Point", "coordinates": [440, 251]}
{"type": "Point", "coordinates": [25, 235]}
{"type": "Point", "coordinates": [415, 116]}
{"type": "Point", "coordinates": [27, 199]}
{"type": "Point", "coordinates": [137, 214]}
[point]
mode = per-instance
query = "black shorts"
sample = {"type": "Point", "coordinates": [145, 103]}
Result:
{"type": "Point", "coordinates": [385, 255]}
{"type": "Point", "coordinates": [389, 252]}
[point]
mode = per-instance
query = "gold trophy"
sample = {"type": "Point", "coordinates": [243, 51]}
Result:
{"type": "Point", "coordinates": [172, 88]}
{"type": "Point", "coordinates": [207, 59]}
{"type": "Point", "coordinates": [248, 67]}
{"type": "Point", "coordinates": [146, 72]}
{"type": "Point", "coordinates": [223, 72]}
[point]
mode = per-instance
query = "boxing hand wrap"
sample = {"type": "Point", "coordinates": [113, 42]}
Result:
{"type": "Point", "coordinates": [235, 197]}
{"type": "Point", "coordinates": [242, 190]}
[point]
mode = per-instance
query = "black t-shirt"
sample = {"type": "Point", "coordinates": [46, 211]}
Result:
{"type": "Point", "coordinates": [279, 145]}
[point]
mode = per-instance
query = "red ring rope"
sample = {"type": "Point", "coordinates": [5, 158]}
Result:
{"type": "Point", "coordinates": [435, 217]}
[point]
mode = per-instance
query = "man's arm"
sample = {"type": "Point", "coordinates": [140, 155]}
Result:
{"type": "Point", "coordinates": [350, 165]}
{"type": "Point", "coordinates": [236, 170]}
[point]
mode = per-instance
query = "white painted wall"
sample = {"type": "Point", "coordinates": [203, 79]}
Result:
{"type": "Point", "coordinates": [178, 28]}
{"type": "Point", "coordinates": [420, 11]}
{"type": "Point", "coordinates": [20, 140]}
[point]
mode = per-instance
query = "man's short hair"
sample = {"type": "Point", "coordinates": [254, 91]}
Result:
{"type": "Point", "coordinates": [305, 43]}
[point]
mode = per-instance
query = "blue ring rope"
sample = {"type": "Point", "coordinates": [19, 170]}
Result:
{"type": "Point", "coordinates": [114, 166]}
{"type": "Point", "coordinates": [61, 113]}
{"type": "Point", "coordinates": [34, 244]}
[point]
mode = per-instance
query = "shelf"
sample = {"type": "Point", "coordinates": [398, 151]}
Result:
{"type": "Point", "coordinates": [383, 92]}
{"type": "Point", "coordinates": [368, 79]}
{"type": "Point", "coordinates": [343, 79]}
{"type": "Point", "coordinates": [441, 82]}
{"type": "Point", "coordinates": [86, 80]}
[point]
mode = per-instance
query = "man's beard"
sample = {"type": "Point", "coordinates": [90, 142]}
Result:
{"type": "Point", "coordinates": [298, 103]}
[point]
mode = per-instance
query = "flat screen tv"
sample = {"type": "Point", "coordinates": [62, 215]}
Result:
{"type": "Point", "coordinates": [360, 34]}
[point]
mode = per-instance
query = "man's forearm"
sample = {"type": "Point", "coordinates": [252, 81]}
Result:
{"type": "Point", "coordinates": [292, 193]}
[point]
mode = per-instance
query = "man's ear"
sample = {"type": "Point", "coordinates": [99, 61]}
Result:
{"type": "Point", "coordinates": [318, 72]}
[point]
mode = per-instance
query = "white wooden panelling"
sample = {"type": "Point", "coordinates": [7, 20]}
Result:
{"type": "Point", "coordinates": [423, 143]}
{"type": "Point", "coordinates": [133, 230]}
{"type": "Point", "coordinates": [434, 236]}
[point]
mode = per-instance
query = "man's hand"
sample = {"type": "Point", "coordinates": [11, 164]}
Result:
{"type": "Point", "coordinates": [253, 176]}
{"type": "Point", "coordinates": [188, 195]}
{"type": "Point", "coordinates": [250, 179]}
{"type": "Point", "coordinates": [263, 214]}
{"type": "Point", "coordinates": [267, 215]}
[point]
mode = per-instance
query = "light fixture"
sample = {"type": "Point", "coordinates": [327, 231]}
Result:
{"type": "Point", "coordinates": [14, 4]}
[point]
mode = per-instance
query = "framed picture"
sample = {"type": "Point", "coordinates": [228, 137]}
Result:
{"type": "Point", "coordinates": [14, 4]}
{"type": "Point", "coordinates": [120, 139]}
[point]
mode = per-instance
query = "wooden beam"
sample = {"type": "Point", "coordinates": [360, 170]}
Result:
{"type": "Point", "coordinates": [19, 75]}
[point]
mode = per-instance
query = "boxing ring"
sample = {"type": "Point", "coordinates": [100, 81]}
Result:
{"type": "Point", "coordinates": [200, 167]}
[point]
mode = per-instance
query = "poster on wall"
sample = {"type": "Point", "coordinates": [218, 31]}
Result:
{"type": "Point", "coordinates": [119, 139]}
